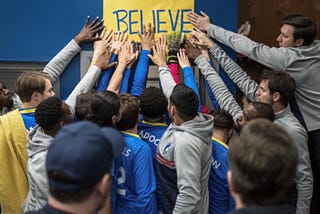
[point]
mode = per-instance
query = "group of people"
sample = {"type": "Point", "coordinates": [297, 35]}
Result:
{"type": "Point", "coordinates": [117, 146]}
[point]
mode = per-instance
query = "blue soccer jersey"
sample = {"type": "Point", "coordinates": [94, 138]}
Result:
{"type": "Point", "coordinates": [151, 133]}
{"type": "Point", "coordinates": [220, 200]}
{"type": "Point", "coordinates": [136, 184]}
{"type": "Point", "coordinates": [28, 118]}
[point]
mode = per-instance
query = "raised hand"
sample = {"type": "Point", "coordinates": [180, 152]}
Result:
{"type": "Point", "coordinates": [162, 40]}
{"type": "Point", "coordinates": [192, 50]}
{"type": "Point", "coordinates": [89, 32]}
{"type": "Point", "coordinates": [103, 58]}
{"type": "Point", "coordinates": [201, 22]}
{"type": "Point", "coordinates": [101, 46]}
{"type": "Point", "coordinates": [119, 38]}
{"type": "Point", "coordinates": [201, 39]}
{"type": "Point", "coordinates": [183, 59]}
{"type": "Point", "coordinates": [159, 55]}
{"type": "Point", "coordinates": [147, 38]}
{"type": "Point", "coordinates": [127, 54]}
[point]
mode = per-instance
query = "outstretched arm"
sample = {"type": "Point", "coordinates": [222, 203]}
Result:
{"type": "Point", "coordinates": [220, 90]}
{"type": "Point", "coordinates": [274, 58]}
{"type": "Point", "coordinates": [126, 56]}
{"type": "Point", "coordinates": [118, 40]}
{"type": "Point", "coordinates": [88, 33]}
{"type": "Point", "coordinates": [159, 58]}
{"type": "Point", "coordinates": [189, 78]}
{"type": "Point", "coordinates": [141, 74]}
{"type": "Point", "coordinates": [100, 61]}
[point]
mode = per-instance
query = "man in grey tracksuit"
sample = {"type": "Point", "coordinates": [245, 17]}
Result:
{"type": "Point", "coordinates": [283, 116]}
{"type": "Point", "coordinates": [184, 151]}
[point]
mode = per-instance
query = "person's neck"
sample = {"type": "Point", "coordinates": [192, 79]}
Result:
{"type": "Point", "coordinates": [154, 120]}
{"type": "Point", "coordinates": [220, 135]}
{"type": "Point", "coordinates": [85, 207]}
{"type": "Point", "coordinates": [30, 104]}
{"type": "Point", "coordinates": [277, 107]}
{"type": "Point", "coordinates": [178, 121]}
{"type": "Point", "coordinates": [134, 130]}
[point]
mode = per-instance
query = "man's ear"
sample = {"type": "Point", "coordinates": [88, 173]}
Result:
{"type": "Point", "coordinates": [276, 96]}
{"type": "Point", "coordinates": [104, 184]}
{"type": "Point", "coordinates": [36, 96]}
{"type": "Point", "coordinates": [299, 42]}
{"type": "Point", "coordinates": [173, 110]}
{"type": "Point", "coordinates": [116, 118]}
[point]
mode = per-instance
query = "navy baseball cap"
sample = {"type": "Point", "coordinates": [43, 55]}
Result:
{"type": "Point", "coordinates": [83, 153]}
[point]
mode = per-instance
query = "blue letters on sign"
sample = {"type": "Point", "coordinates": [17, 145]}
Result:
{"type": "Point", "coordinates": [126, 22]}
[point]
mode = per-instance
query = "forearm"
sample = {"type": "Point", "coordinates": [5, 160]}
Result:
{"type": "Point", "coordinates": [166, 80]}
{"type": "Point", "coordinates": [141, 74]}
{"type": "Point", "coordinates": [244, 82]}
{"type": "Point", "coordinates": [85, 84]}
{"type": "Point", "coordinates": [225, 99]}
{"type": "Point", "coordinates": [106, 76]}
{"type": "Point", "coordinates": [58, 64]}
{"type": "Point", "coordinates": [125, 81]}
{"type": "Point", "coordinates": [116, 78]}
{"type": "Point", "coordinates": [190, 81]}
{"type": "Point", "coordinates": [275, 58]}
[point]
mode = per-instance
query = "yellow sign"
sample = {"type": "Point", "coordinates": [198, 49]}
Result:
{"type": "Point", "coordinates": [130, 15]}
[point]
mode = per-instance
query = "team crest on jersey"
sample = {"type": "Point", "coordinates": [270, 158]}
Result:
{"type": "Point", "coordinates": [166, 148]}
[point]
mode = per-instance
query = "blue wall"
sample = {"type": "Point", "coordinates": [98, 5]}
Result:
{"type": "Point", "coordinates": [34, 31]}
{"type": "Point", "coordinates": [225, 14]}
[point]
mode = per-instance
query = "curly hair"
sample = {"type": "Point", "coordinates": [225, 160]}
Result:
{"type": "Point", "coordinates": [153, 103]}
{"type": "Point", "coordinates": [49, 113]}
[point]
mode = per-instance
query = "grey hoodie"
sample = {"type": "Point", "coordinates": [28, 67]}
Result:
{"type": "Point", "coordinates": [184, 152]}
{"type": "Point", "coordinates": [184, 158]}
{"type": "Point", "coordinates": [37, 147]}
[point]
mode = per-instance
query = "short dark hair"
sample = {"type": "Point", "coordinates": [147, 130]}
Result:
{"type": "Point", "coordinates": [222, 120]}
{"type": "Point", "coordinates": [282, 82]}
{"type": "Point", "coordinates": [30, 82]}
{"type": "Point", "coordinates": [262, 110]}
{"type": "Point", "coordinates": [83, 105]}
{"type": "Point", "coordinates": [304, 27]}
{"type": "Point", "coordinates": [49, 113]}
{"type": "Point", "coordinates": [185, 100]}
{"type": "Point", "coordinates": [67, 196]}
{"type": "Point", "coordinates": [263, 162]}
{"type": "Point", "coordinates": [153, 103]}
{"type": "Point", "coordinates": [104, 105]}
{"type": "Point", "coordinates": [130, 109]}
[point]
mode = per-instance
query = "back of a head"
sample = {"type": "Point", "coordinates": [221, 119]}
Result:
{"type": "Point", "coordinates": [223, 120]}
{"type": "Point", "coordinates": [185, 100]}
{"type": "Point", "coordinates": [153, 103]}
{"type": "Point", "coordinates": [30, 82]}
{"type": "Point", "coordinates": [104, 105]}
{"type": "Point", "coordinates": [78, 158]}
{"type": "Point", "coordinates": [263, 162]}
{"type": "Point", "coordinates": [282, 82]}
{"type": "Point", "coordinates": [83, 105]}
{"type": "Point", "coordinates": [263, 110]}
{"type": "Point", "coordinates": [130, 109]}
{"type": "Point", "coordinates": [304, 27]}
{"type": "Point", "coordinates": [50, 112]}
